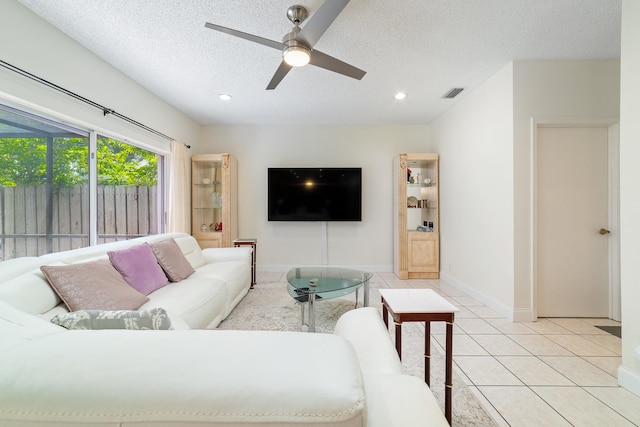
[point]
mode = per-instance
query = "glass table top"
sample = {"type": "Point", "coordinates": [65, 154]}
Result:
{"type": "Point", "coordinates": [332, 282]}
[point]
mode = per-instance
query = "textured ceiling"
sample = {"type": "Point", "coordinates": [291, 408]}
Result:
{"type": "Point", "coordinates": [422, 47]}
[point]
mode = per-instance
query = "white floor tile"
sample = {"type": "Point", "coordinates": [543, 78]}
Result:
{"type": "Point", "coordinates": [486, 370]}
{"type": "Point", "coordinates": [521, 407]}
{"type": "Point", "coordinates": [489, 409]}
{"type": "Point", "coordinates": [580, 346]}
{"type": "Point", "coordinates": [602, 322]}
{"type": "Point", "coordinates": [620, 400]}
{"type": "Point", "coordinates": [463, 345]}
{"type": "Point", "coordinates": [509, 327]}
{"type": "Point", "coordinates": [578, 326]}
{"type": "Point", "coordinates": [533, 371]}
{"type": "Point", "coordinates": [608, 364]}
{"type": "Point", "coordinates": [451, 291]}
{"type": "Point", "coordinates": [440, 328]}
{"type": "Point", "coordinates": [610, 342]}
{"type": "Point", "coordinates": [553, 372]}
{"type": "Point", "coordinates": [476, 326]}
{"type": "Point", "coordinates": [580, 408]}
{"type": "Point", "coordinates": [540, 345]}
{"type": "Point", "coordinates": [466, 301]}
{"type": "Point", "coordinates": [464, 313]}
{"type": "Point", "coordinates": [546, 327]}
{"type": "Point", "coordinates": [485, 312]}
{"type": "Point", "coordinates": [580, 371]}
{"type": "Point", "coordinates": [500, 345]}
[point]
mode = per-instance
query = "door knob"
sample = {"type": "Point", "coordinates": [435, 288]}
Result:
{"type": "Point", "coordinates": [604, 231]}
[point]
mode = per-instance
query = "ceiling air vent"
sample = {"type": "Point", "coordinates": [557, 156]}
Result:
{"type": "Point", "coordinates": [452, 93]}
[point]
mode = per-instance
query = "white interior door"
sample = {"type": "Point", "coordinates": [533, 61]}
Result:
{"type": "Point", "coordinates": [572, 206]}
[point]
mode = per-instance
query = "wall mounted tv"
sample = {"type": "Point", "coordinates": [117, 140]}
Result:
{"type": "Point", "coordinates": [314, 194]}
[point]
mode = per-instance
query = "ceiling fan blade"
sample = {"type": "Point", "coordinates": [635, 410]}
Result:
{"type": "Point", "coordinates": [282, 71]}
{"type": "Point", "coordinates": [266, 42]}
{"type": "Point", "coordinates": [330, 63]}
{"type": "Point", "coordinates": [320, 21]}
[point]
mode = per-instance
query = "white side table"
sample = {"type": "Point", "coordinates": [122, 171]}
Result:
{"type": "Point", "coordinates": [422, 305]}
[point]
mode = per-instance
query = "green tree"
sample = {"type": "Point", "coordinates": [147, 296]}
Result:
{"type": "Point", "coordinates": [124, 164]}
{"type": "Point", "coordinates": [23, 161]}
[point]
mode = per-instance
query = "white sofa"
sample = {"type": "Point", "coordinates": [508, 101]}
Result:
{"type": "Point", "coordinates": [222, 278]}
{"type": "Point", "coordinates": [53, 376]}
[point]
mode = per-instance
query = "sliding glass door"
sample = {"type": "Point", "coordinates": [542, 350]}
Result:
{"type": "Point", "coordinates": [47, 202]}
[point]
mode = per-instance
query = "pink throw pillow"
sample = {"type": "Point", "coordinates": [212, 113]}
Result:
{"type": "Point", "coordinates": [94, 285]}
{"type": "Point", "coordinates": [172, 260]}
{"type": "Point", "coordinates": [139, 267]}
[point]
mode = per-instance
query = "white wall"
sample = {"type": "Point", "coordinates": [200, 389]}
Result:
{"type": "Point", "coordinates": [551, 90]}
{"type": "Point", "coordinates": [367, 244]}
{"type": "Point", "coordinates": [475, 142]}
{"type": "Point", "coordinates": [629, 373]}
{"type": "Point", "coordinates": [486, 155]}
{"type": "Point", "coordinates": [31, 44]}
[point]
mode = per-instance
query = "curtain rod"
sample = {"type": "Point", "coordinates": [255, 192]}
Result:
{"type": "Point", "coordinates": [105, 111]}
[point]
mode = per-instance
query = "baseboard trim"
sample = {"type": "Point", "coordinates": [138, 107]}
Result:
{"type": "Point", "coordinates": [523, 315]}
{"type": "Point", "coordinates": [629, 380]}
{"type": "Point", "coordinates": [496, 306]}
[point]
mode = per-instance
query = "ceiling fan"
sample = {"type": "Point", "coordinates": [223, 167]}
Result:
{"type": "Point", "coordinates": [297, 46]}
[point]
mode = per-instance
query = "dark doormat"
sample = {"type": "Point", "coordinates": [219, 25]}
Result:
{"type": "Point", "coordinates": [613, 330]}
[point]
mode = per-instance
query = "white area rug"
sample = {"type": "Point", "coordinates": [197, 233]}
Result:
{"type": "Point", "coordinates": [269, 307]}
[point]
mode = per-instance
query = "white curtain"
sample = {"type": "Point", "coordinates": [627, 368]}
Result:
{"type": "Point", "coordinates": [179, 202]}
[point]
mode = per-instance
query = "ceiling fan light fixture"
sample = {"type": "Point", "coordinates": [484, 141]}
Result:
{"type": "Point", "coordinates": [296, 56]}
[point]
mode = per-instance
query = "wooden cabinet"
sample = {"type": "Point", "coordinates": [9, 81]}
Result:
{"type": "Point", "coordinates": [214, 203]}
{"type": "Point", "coordinates": [416, 216]}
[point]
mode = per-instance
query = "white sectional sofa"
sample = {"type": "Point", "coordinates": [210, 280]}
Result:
{"type": "Point", "coordinates": [222, 278]}
{"type": "Point", "coordinates": [195, 376]}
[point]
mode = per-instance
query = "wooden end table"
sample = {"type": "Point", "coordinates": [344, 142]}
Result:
{"type": "Point", "coordinates": [253, 243]}
{"type": "Point", "coordinates": [422, 305]}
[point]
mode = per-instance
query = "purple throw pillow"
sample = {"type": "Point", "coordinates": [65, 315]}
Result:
{"type": "Point", "coordinates": [139, 268]}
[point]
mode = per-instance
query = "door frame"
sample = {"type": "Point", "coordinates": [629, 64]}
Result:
{"type": "Point", "coordinates": [613, 153]}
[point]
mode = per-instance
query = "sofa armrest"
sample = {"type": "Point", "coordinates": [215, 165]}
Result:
{"type": "Point", "coordinates": [393, 398]}
{"type": "Point", "coordinates": [401, 401]}
{"type": "Point", "coordinates": [365, 330]}
{"type": "Point", "coordinates": [227, 254]}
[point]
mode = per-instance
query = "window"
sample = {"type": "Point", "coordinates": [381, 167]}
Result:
{"type": "Point", "coordinates": [45, 193]}
{"type": "Point", "coordinates": [128, 197]}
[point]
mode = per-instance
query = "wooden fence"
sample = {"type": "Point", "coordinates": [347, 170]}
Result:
{"type": "Point", "coordinates": [33, 222]}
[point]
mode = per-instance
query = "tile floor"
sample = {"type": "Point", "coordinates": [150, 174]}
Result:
{"type": "Point", "coordinates": [553, 372]}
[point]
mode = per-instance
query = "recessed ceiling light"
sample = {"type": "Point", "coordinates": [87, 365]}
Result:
{"type": "Point", "coordinates": [400, 95]}
{"type": "Point", "coordinates": [224, 96]}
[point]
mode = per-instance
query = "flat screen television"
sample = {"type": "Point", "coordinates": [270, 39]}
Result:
{"type": "Point", "coordinates": [314, 194]}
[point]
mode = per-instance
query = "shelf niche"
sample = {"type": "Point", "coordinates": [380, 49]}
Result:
{"type": "Point", "coordinates": [214, 200]}
{"type": "Point", "coordinates": [416, 216]}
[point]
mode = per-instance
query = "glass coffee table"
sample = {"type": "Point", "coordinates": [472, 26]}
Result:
{"type": "Point", "coordinates": [310, 284]}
